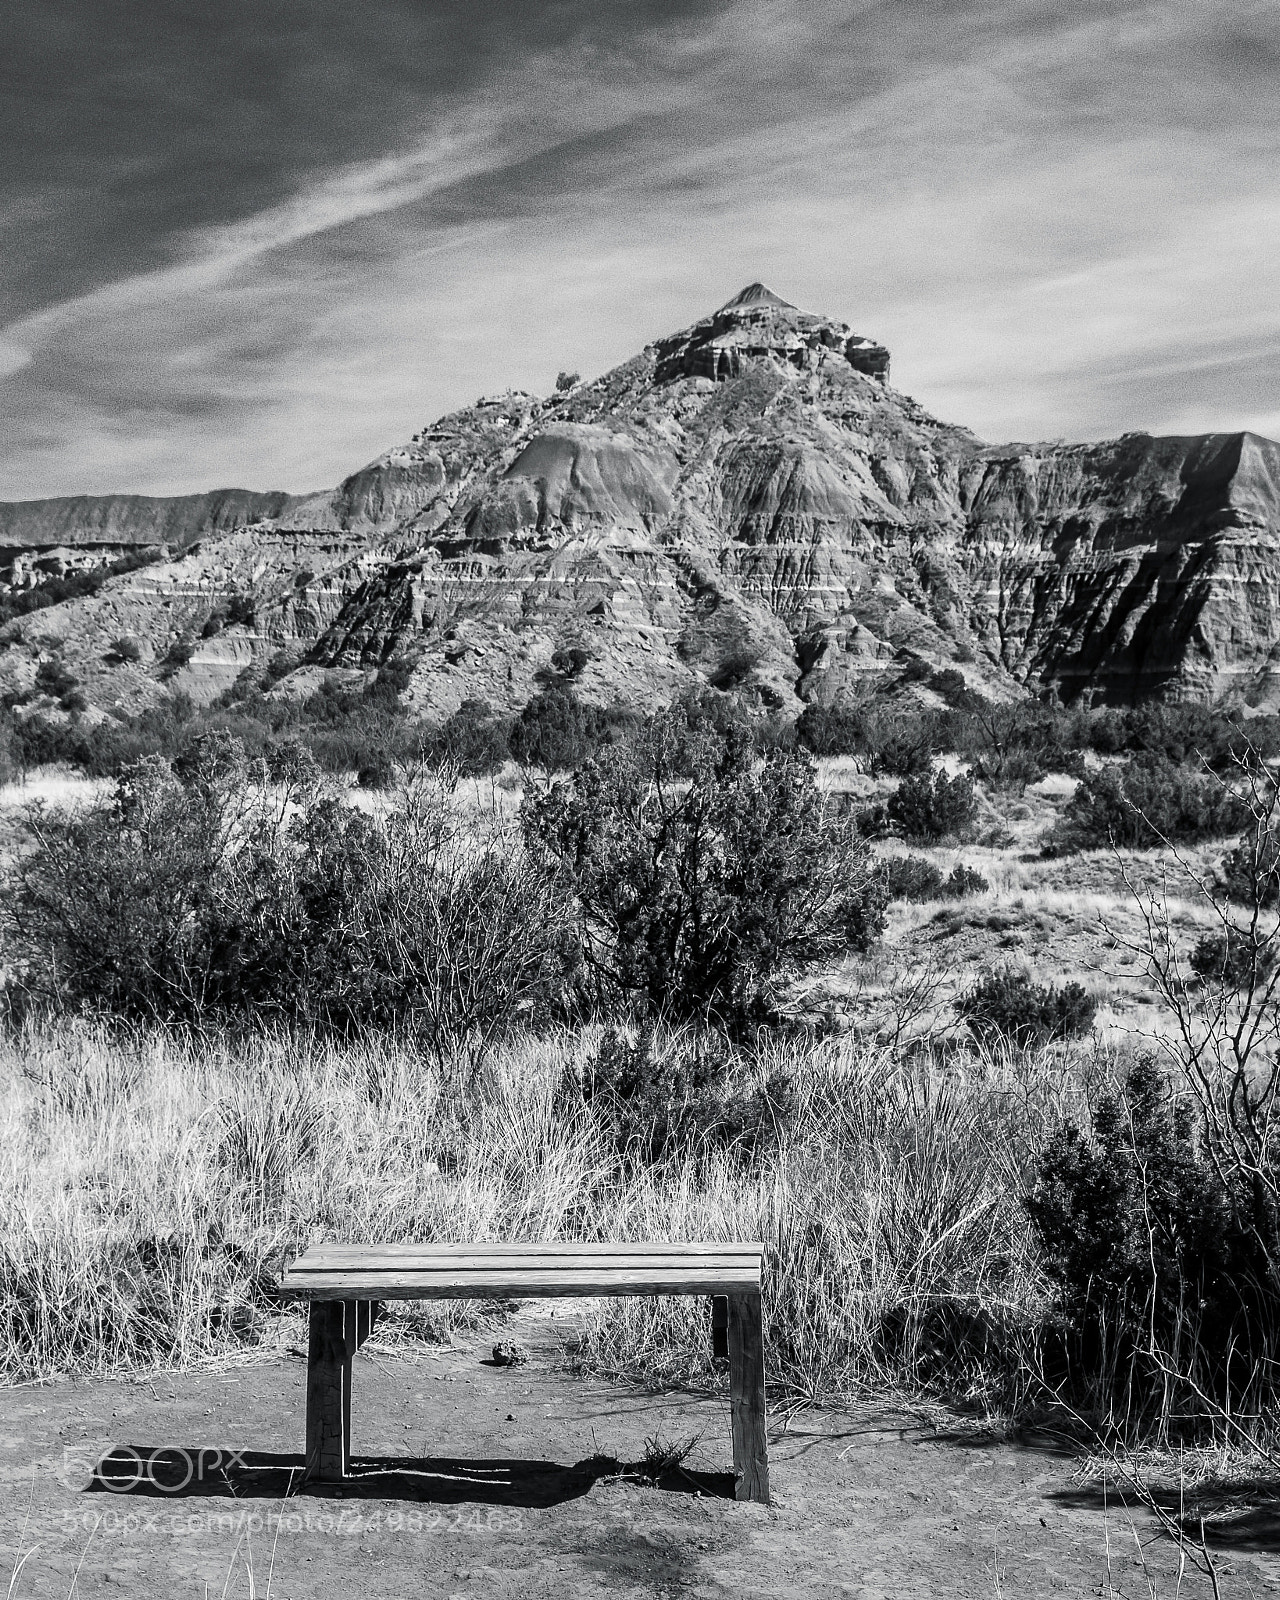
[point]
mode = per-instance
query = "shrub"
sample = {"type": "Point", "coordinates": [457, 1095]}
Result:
{"type": "Point", "coordinates": [566, 381]}
{"type": "Point", "coordinates": [1233, 957]}
{"type": "Point", "coordinates": [1009, 747]}
{"type": "Point", "coordinates": [473, 738]}
{"type": "Point", "coordinates": [1162, 1267]}
{"type": "Point", "coordinates": [914, 878]}
{"type": "Point", "coordinates": [1011, 1007]}
{"type": "Point", "coordinates": [1143, 804]}
{"type": "Point", "coordinates": [554, 731]}
{"type": "Point", "coordinates": [378, 771]}
{"type": "Point", "coordinates": [953, 688]}
{"type": "Point", "coordinates": [831, 730]}
{"type": "Point", "coordinates": [699, 898]}
{"type": "Point", "coordinates": [570, 661]}
{"type": "Point", "coordinates": [75, 585]}
{"type": "Point", "coordinates": [655, 1102]}
{"type": "Point", "coordinates": [1198, 735]}
{"type": "Point", "coordinates": [964, 880]}
{"type": "Point", "coordinates": [127, 648]}
{"type": "Point", "coordinates": [1251, 872]}
{"type": "Point", "coordinates": [190, 894]}
{"type": "Point", "coordinates": [899, 746]}
{"type": "Point", "coordinates": [178, 656]}
{"type": "Point", "coordinates": [55, 679]}
{"type": "Point", "coordinates": [934, 808]}
{"type": "Point", "coordinates": [904, 751]}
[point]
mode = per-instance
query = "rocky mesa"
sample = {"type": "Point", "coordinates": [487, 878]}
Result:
{"type": "Point", "coordinates": [746, 503]}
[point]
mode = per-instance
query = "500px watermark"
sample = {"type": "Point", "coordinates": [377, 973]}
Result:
{"type": "Point", "coordinates": [302, 1519]}
{"type": "Point", "coordinates": [169, 1470]}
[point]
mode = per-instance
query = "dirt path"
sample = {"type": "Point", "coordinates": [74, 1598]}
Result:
{"type": "Point", "coordinates": [476, 1480]}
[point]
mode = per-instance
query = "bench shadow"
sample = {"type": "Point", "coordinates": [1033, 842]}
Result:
{"type": "Point", "coordinates": [172, 1473]}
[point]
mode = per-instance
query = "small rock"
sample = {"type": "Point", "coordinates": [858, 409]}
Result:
{"type": "Point", "coordinates": [509, 1354]}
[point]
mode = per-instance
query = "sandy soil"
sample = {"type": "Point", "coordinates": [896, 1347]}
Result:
{"type": "Point", "coordinates": [472, 1479]}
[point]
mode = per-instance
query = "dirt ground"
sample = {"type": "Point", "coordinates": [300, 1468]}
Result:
{"type": "Point", "coordinates": [471, 1479]}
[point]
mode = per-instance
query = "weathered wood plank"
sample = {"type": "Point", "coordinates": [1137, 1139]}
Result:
{"type": "Point", "coordinates": [747, 1398]}
{"type": "Point", "coordinates": [548, 1265]}
{"type": "Point", "coordinates": [545, 1264]}
{"type": "Point", "coordinates": [529, 1284]}
{"type": "Point", "coordinates": [328, 1393]}
{"type": "Point", "coordinates": [452, 1248]}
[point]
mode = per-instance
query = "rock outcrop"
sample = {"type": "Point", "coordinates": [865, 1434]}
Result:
{"type": "Point", "coordinates": [746, 503]}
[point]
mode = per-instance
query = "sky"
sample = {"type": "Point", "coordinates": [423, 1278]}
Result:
{"type": "Point", "coordinates": [258, 243]}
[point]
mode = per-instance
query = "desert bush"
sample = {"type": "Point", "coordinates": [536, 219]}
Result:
{"type": "Point", "coordinates": [914, 878]}
{"type": "Point", "coordinates": [1009, 747]}
{"type": "Point", "coordinates": [913, 668]}
{"type": "Point", "coordinates": [904, 749]}
{"type": "Point", "coordinates": [1166, 1271]}
{"type": "Point", "coordinates": [1250, 873]}
{"type": "Point", "coordinates": [1012, 1007]}
{"type": "Point", "coordinates": [219, 887]}
{"type": "Point", "coordinates": [54, 678]}
{"type": "Point", "coordinates": [952, 686]}
{"type": "Point", "coordinates": [1144, 804]}
{"type": "Point", "coordinates": [1198, 735]}
{"type": "Point", "coordinates": [177, 656]}
{"type": "Point", "coordinates": [935, 807]}
{"type": "Point", "coordinates": [126, 648]}
{"type": "Point", "coordinates": [963, 880]}
{"type": "Point", "coordinates": [894, 745]}
{"type": "Point", "coordinates": [570, 661]}
{"type": "Point", "coordinates": [679, 1096]}
{"type": "Point", "coordinates": [74, 586]}
{"type": "Point", "coordinates": [701, 712]}
{"type": "Point", "coordinates": [832, 730]}
{"type": "Point", "coordinates": [555, 731]}
{"type": "Point", "coordinates": [699, 896]}
{"type": "Point", "coordinates": [1235, 957]}
{"type": "Point", "coordinates": [473, 739]}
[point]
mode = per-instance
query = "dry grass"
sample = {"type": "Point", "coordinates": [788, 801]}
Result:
{"type": "Point", "coordinates": [150, 1191]}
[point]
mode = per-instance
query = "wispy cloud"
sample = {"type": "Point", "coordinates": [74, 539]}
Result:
{"type": "Point", "coordinates": [1063, 220]}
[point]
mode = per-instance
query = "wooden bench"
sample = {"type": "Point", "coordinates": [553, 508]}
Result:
{"type": "Point", "coordinates": [346, 1284]}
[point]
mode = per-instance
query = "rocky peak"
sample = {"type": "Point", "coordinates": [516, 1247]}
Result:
{"type": "Point", "coordinates": [759, 328]}
{"type": "Point", "coordinates": [756, 294]}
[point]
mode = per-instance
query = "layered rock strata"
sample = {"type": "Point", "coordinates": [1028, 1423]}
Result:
{"type": "Point", "coordinates": [746, 503]}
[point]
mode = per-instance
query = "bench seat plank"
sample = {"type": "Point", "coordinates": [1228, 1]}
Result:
{"type": "Point", "coordinates": [449, 1250]}
{"type": "Point", "coordinates": [526, 1282]}
{"type": "Point", "coordinates": [451, 1271]}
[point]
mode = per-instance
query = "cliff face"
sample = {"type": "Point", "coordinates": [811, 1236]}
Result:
{"type": "Point", "coordinates": [746, 503]}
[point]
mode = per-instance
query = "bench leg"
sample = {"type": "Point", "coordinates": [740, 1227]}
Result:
{"type": "Point", "coordinates": [330, 1346]}
{"type": "Point", "coordinates": [746, 1398]}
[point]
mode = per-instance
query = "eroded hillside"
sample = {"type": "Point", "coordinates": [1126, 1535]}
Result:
{"type": "Point", "coordinates": [746, 503]}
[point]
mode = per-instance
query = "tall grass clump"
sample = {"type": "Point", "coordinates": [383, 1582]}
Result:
{"type": "Point", "coordinates": [151, 1190]}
